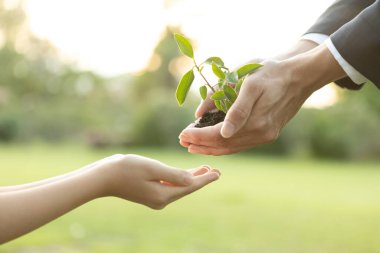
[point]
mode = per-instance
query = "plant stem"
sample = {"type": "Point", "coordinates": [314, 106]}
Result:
{"type": "Point", "coordinates": [208, 84]}
{"type": "Point", "coordinates": [204, 78]}
{"type": "Point", "coordinates": [223, 67]}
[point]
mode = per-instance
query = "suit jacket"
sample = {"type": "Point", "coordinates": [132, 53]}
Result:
{"type": "Point", "coordinates": [354, 27]}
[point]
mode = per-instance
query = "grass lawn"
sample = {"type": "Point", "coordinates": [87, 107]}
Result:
{"type": "Point", "coordinates": [260, 204]}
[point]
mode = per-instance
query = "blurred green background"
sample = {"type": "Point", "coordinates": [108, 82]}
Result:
{"type": "Point", "coordinates": [260, 204]}
{"type": "Point", "coordinates": [314, 190]}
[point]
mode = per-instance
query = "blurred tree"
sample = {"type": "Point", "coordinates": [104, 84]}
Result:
{"type": "Point", "coordinates": [40, 96]}
{"type": "Point", "coordinates": [347, 130]}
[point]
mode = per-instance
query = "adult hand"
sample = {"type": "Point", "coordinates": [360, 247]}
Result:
{"type": "Point", "coordinates": [300, 47]}
{"type": "Point", "coordinates": [267, 101]}
{"type": "Point", "coordinates": [255, 118]}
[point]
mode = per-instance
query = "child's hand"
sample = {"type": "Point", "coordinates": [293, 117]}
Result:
{"type": "Point", "coordinates": [150, 182]}
{"type": "Point", "coordinates": [24, 208]}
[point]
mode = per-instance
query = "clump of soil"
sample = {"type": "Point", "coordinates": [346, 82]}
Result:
{"type": "Point", "coordinates": [210, 118]}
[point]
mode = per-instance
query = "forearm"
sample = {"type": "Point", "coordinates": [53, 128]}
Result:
{"type": "Point", "coordinates": [313, 69]}
{"type": "Point", "coordinates": [301, 46]}
{"type": "Point", "coordinates": [11, 188]}
{"type": "Point", "coordinates": [24, 210]}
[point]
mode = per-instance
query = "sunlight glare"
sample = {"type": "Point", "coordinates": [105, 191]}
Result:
{"type": "Point", "coordinates": [108, 36]}
{"type": "Point", "coordinates": [116, 37]}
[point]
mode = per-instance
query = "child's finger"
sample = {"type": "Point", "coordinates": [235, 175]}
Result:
{"type": "Point", "coordinates": [199, 170]}
{"type": "Point", "coordinates": [195, 172]}
{"type": "Point", "coordinates": [173, 176]}
{"type": "Point", "coordinates": [198, 183]}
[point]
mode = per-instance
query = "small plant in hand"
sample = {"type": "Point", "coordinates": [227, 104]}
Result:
{"type": "Point", "coordinates": [223, 93]}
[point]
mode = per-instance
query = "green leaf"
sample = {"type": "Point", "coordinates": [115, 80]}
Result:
{"type": "Point", "coordinates": [219, 95]}
{"type": "Point", "coordinates": [184, 45]}
{"type": "Point", "coordinates": [238, 85]}
{"type": "Point", "coordinates": [184, 86]}
{"type": "Point", "coordinates": [217, 60]}
{"type": "Point", "coordinates": [232, 77]}
{"type": "Point", "coordinates": [247, 69]}
{"type": "Point", "coordinates": [219, 106]}
{"type": "Point", "coordinates": [203, 91]}
{"type": "Point", "coordinates": [221, 82]}
{"type": "Point", "coordinates": [217, 71]}
{"type": "Point", "coordinates": [230, 93]}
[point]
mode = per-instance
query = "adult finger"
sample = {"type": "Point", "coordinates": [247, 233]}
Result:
{"type": "Point", "coordinates": [183, 143]}
{"type": "Point", "coordinates": [204, 106]}
{"type": "Point", "coordinates": [240, 111]}
{"type": "Point", "coordinates": [215, 151]}
{"type": "Point", "coordinates": [207, 136]}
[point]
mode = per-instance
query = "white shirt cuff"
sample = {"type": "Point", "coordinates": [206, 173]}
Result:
{"type": "Point", "coordinates": [318, 38]}
{"type": "Point", "coordinates": [351, 72]}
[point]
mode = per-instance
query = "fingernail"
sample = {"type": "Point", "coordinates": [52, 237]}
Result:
{"type": "Point", "coordinates": [215, 175]}
{"type": "Point", "coordinates": [206, 167]}
{"type": "Point", "coordinates": [191, 150]}
{"type": "Point", "coordinates": [216, 171]}
{"type": "Point", "coordinates": [227, 130]}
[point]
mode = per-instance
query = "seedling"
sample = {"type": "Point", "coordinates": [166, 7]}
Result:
{"type": "Point", "coordinates": [225, 91]}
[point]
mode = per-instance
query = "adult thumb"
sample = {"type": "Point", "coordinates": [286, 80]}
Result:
{"type": "Point", "coordinates": [240, 111]}
{"type": "Point", "coordinates": [205, 106]}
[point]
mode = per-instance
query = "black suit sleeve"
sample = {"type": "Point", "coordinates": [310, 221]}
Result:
{"type": "Point", "coordinates": [338, 14]}
{"type": "Point", "coordinates": [358, 41]}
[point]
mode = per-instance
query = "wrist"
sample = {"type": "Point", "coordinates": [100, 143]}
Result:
{"type": "Point", "coordinates": [300, 47]}
{"type": "Point", "coordinates": [313, 69]}
{"type": "Point", "coordinates": [110, 175]}
{"type": "Point", "coordinates": [99, 179]}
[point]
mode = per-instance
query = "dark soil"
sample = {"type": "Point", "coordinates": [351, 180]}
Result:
{"type": "Point", "coordinates": [210, 118]}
